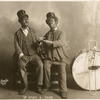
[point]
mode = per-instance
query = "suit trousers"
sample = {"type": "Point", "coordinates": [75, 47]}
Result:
{"type": "Point", "coordinates": [61, 72]}
{"type": "Point", "coordinates": [35, 60]}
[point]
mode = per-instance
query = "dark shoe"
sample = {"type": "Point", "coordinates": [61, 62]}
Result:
{"type": "Point", "coordinates": [46, 89]}
{"type": "Point", "coordinates": [22, 91]}
{"type": "Point", "coordinates": [39, 90]}
{"type": "Point", "coordinates": [63, 95]}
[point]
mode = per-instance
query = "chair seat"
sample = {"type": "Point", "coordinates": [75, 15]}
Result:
{"type": "Point", "coordinates": [94, 67]}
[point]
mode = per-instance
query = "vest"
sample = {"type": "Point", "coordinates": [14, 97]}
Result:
{"type": "Point", "coordinates": [28, 47]}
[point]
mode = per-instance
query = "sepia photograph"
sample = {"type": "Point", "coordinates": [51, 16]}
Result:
{"type": "Point", "coordinates": [50, 49]}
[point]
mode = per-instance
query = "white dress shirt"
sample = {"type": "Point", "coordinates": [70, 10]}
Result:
{"type": "Point", "coordinates": [25, 31]}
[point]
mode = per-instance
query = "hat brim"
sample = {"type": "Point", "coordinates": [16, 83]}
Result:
{"type": "Point", "coordinates": [55, 18]}
{"type": "Point", "coordinates": [25, 15]}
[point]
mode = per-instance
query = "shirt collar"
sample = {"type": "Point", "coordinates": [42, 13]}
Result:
{"type": "Point", "coordinates": [25, 28]}
{"type": "Point", "coordinates": [55, 29]}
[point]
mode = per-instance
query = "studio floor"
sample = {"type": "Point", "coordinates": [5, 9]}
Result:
{"type": "Point", "coordinates": [52, 94]}
{"type": "Point", "coordinates": [74, 92]}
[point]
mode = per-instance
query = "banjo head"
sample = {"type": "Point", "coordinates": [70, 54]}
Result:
{"type": "Point", "coordinates": [81, 72]}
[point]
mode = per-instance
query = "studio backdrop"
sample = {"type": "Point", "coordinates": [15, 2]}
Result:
{"type": "Point", "coordinates": [79, 20]}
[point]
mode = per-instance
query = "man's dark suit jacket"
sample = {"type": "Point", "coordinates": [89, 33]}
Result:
{"type": "Point", "coordinates": [58, 51]}
{"type": "Point", "coordinates": [18, 44]}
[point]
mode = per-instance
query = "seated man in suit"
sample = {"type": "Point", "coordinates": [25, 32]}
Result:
{"type": "Point", "coordinates": [25, 42]}
{"type": "Point", "coordinates": [55, 50]}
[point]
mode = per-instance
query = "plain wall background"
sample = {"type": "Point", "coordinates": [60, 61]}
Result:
{"type": "Point", "coordinates": [80, 21]}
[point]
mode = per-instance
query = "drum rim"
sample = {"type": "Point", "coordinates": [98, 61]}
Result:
{"type": "Point", "coordinates": [73, 72]}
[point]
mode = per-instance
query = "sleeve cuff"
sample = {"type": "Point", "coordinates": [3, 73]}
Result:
{"type": "Point", "coordinates": [20, 55]}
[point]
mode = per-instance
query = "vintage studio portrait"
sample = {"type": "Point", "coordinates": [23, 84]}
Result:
{"type": "Point", "coordinates": [50, 49]}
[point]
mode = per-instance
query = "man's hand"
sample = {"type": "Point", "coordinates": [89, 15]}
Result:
{"type": "Point", "coordinates": [38, 50]}
{"type": "Point", "coordinates": [25, 59]}
{"type": "Point", "coordinates": [40, 38]}
{"type": "Point", "coordinates": [47, 42]}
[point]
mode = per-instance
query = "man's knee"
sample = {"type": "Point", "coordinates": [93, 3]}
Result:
{"type": "Point", "coordinates": [21, 65]}
{"type": "Point", "coordinates": [21, 62]}
{"type": "Point", "coordinates": [37, 60]}
{"type": "Point", "coordinates": [62, 65]}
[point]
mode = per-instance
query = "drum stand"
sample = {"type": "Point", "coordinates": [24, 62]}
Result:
{"type": "Point", "coordinates": [93, 68]}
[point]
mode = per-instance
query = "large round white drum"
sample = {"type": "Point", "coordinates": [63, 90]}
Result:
{"type": "Point", "coordinates": [80, 71]}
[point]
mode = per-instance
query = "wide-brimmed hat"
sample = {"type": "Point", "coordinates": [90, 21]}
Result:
{"type": "Point", "coordinates": [21, 14]}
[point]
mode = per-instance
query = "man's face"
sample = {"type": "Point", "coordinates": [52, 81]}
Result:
{"type": "Point", "coordinates": [24, 22]}
{"type": "Point", "coordinates": [52, 24]}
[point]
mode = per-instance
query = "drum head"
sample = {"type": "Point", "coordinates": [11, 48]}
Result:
{"type": "Point", "coordinates": [81, 74]}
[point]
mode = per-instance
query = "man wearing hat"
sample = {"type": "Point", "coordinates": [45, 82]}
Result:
{"type": "Point", "coordinates": [56, 50]}
{"type": "Point", "coordinates": [25, 42]}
